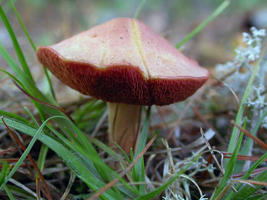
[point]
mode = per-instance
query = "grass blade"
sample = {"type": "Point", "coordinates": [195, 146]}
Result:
{"type": "Point", "coordinates": [104, 148]}
{"type": "Point", "coordinates": [76, 162]}
{"type": "Point", "coordinates": [202, 25]}
{"type": "Point", "coordinates": [139, 176]}
{"type": "Point", "coordinates": [34, 48]}
{"type": "Point", "coordinates": [239, 116]}
{"type": "Point", "coordinates": [247, 190]}
{"type": "Point", "coordinates": [85, 110]}
{"type": "Point", "coordinates": [9, 194]}
{"type": "Point", "coordinates": [116, 156]}
{"type": "Point", "coordinates": [246, 148]}
{"type": "Point", "coordinates": [4, 172]}
{"type": "Point", "coordinates": [22, 158]}
{"type": "Point", "coordinates": [123, 153]}
{"type": "Point", "coordinates": [247, 174]}
{"type": "Point", "coordinates": [231, 164]}
{"type": "Point", "coordinates": [31, 88]}
{"type": "Point", "coordinates": [16, 44]}
{"type": "Point", "coordinates": [110, 184]}
{"type": "Point", "coordinates": [139, 9]}
{"type": "Point", "coordinates": [14, 116]}
{"type": "Point", "coordinates": [22, 25]}
{"type": "Point", "coordinates": [23, 192]}
{"type": "Point", "coordinates": [45, 192]}
{"type": "Point", "coordinates": [42, 157]}
{"type": "Point", "coordinates": [257, 197]}
{"type": "Point", "coordinates": [164, 186]}
{"type": "Point", "coordinates": [24, 81]}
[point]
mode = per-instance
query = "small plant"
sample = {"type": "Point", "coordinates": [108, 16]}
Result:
{"type": "Point", "coordinates": [251, 57]}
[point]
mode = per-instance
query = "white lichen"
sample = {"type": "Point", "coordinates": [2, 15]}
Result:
{"type": "Point", "coordinates": [242, 67]}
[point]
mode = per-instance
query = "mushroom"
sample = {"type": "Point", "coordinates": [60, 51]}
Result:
{"type": "Point", "coordinates": [127, 64]}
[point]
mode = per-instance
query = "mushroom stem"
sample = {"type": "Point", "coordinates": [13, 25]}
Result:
{"type": "Point", "coordinates": [124, 123]}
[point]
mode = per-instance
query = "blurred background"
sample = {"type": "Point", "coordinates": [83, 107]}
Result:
{"type": "Point", "coordinates": [50, 21]}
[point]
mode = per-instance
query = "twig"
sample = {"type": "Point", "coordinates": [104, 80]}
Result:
{"type": "Point", "coordinates": [254, 173]}
{"type": "Point", "coordinates": [242, 157]}
{"type": "Point", "coordinates": [9, 151]}
{"type": "Point", "coordinates": [247, 133]}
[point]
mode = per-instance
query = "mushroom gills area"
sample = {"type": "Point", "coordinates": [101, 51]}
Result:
{"type": "Point", "coordinates": [124, 123]}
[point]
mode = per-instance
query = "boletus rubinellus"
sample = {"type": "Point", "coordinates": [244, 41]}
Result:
{"type": "Point", "coordinates": [127, 64]}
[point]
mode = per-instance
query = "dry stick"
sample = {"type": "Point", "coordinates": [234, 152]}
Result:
{"type": "Point", "coordinates": [47, 193]}
{"type": "Point", "coordinates": [242, 157]}
{"type": "Point", "coordinates": [252, 182]}
{"type": "Point", "coordinates": [254, 173]}
{"type": "Point", "coordinates": [249, 135]}
{"type": "Point", "coordinates": [213, 155]}
{"type": "Point", "coordinates": [222, 193]}
{"type": "Point", "coordinates": [11, 159]}
{"type": "Point", "coordinates": [12, 165]}
{"type": "Point", "coordinates": [43, 102]}
{"type": "Point", "coordinates": [247, 158]}
{"type": "Point", "coordinates": [9, 151]}
{"type": "Point", "coordinates": [110, 184]}
{"type": "Point", "coordinates": [38, 188]}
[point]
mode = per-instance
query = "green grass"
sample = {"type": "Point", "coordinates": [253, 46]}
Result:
{"type": "Point", "coordinates": [203, 24]}
{"type": "Point", "coordinates": [83, 154]}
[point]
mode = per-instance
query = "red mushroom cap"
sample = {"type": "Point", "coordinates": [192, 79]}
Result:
{"type": "Point", "coordinates": [124, 61]}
